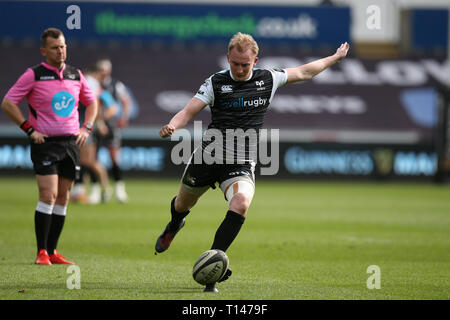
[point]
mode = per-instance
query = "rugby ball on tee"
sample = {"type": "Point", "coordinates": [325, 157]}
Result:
{"type": "Point", "coordinates": [210, 267]}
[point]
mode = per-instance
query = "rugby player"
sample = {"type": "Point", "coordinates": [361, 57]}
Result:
{"type": "Point", "coordinates": [113, 140]}
{"type": "Point", "coordinates": [238, 98]}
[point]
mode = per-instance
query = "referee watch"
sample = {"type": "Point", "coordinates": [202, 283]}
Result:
{"type": "Point", "coordinates": [88, 126]}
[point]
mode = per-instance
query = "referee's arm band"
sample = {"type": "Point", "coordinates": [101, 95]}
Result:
{"type": "Point", "coordinates": [26, 127]}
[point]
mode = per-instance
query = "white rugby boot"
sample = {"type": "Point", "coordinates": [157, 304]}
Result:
{"type": "Point", "coordinates": [120, 193]}
{"type": "Point", "coordinates": [95, 197]}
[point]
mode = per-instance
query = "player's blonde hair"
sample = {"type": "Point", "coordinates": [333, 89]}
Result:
{"type": "Point", "coordinates": [242, 42]}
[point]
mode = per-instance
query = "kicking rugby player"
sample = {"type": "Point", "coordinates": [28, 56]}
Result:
{"type": "Point", "coordinates": [53, 90]}
{"type": "Point", "coordinates": [238, 98]}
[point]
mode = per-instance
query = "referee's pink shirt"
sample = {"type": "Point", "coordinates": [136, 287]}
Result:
{"type": "Point", "coordinates": [41, 94]}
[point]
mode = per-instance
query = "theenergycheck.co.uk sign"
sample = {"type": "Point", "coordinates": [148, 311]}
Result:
{"type": "Point", "coordinates": [175, 22]}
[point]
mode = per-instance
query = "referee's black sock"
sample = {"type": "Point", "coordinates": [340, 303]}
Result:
{"type": "Point", "coordinates": [56, 227]}
{"type": "Point", "coordinates": [42, 223]}
{"type": "Point", "coordinates": [176, 216]}
{"type": "Point", "coordinates": [228, 230]}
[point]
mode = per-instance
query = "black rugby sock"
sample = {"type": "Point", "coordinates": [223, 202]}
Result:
{"type": "Point", "coordinates": [56, 227]}
{"type": "Point", "coordinates": [116, 172]}
{"type": "Point", "coordinates": [228, 230]}
{"type": "Point", "coordinates": [176, 216]}
{"type": "Point", "coordinates": [93, 176]}
{"type": "Point", "coordinates": [42, 223]}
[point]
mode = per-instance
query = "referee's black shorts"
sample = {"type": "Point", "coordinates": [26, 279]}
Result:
{"type": "Point", "coordinates": [57, 155]}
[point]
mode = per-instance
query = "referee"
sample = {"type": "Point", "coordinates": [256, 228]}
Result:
{"type": "Point", "coordinates": [239, 98]}
{"type": "Point", "coordinates": [53, 90]}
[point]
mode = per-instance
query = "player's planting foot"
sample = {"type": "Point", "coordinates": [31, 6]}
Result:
{"type": "Point", "coordinates": [57, 258]}
{"type": "Point", "coordinates": [212, 287]}
{"type": "Point", "coordinates": [43, 258]}
{"type": "Point", "coordinates": [226, 275]}
{"type": "Point", "coordinates": [165, 239]}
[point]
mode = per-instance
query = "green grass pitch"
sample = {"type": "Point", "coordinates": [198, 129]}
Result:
{"type": "Point", "coordinates": [301, 240]}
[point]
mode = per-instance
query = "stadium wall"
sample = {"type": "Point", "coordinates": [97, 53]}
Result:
{"type": "Point", "coordinates": [363, 118]}
{"type": "Point", "coordinates": [154, 158]}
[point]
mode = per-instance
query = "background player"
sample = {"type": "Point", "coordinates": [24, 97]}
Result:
{"type": "Point", "coordinates": [100, 189]}
{"type": "Point", "coordinates": [113, 140]}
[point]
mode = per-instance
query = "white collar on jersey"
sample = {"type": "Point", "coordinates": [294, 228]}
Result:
{"type": "Point", "coordinates": [232, 77]}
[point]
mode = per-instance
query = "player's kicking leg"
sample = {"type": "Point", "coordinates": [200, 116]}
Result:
{"type": "Point", "coordinates": [179, 209]}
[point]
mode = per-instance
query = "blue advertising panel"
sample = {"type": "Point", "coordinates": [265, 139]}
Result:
{"type": "Point", "coordinates": [175, 22]}
{"type": "Point", "coordinates": [429, 28]}
{"type": "Point", "coordinates": [152, 158]}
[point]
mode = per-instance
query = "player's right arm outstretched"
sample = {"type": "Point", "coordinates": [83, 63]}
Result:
{"type": "Point", "coordinates": [182, 118]}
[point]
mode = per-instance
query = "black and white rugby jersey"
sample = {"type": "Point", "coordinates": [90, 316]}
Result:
{"type": "Point", "coordinates": [239, 105]}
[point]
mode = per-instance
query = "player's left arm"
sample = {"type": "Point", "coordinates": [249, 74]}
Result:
{"type": "Point", "coordinates": [125, 100]}
{"type": "Point", "coordinates": [309, 70]}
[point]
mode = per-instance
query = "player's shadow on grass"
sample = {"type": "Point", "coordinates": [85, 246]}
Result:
{"type": "Point", "coordinates": [23, 286]}
{"type": "Point", "coordinates": [85, 285]}
{"type": "Point", "coordinates": [183, 290]}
